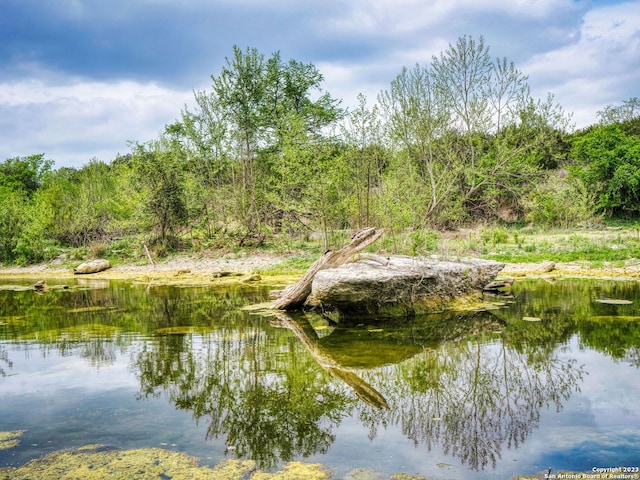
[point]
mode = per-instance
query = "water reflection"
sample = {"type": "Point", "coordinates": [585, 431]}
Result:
{"type": "Point", "coordinates": [276, 388]}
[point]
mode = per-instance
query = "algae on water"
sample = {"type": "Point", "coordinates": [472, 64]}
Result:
{"type": "Point", "coordinates": [98, 463]}
{"type": "Point", "coordinates": [10, 439]}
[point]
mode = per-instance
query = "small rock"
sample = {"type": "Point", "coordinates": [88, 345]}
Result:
{"type": "Point", "coordinates": [255, 277]}
{"type": "Point", "coordinates": [548, 266]}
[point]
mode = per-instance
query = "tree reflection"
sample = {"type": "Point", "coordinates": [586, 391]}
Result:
{"type": "Point", "coordinates": [257, 389]}
{"type": "Point", "coordinates": [4, 358]}
{"type": "Point", "coordinates": [469, 384]}
{"type": "Point", "coordinates": [273, 400]}
{"type": "Point", "coordinates": [473, 399]}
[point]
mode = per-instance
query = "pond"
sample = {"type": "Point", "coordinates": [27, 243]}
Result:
{"type": "Point", "coordinates": [547, 378]}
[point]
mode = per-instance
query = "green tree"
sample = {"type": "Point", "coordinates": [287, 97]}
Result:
{"type": "Point", "coordinates": [256, 106]}
{"type": "Point", "coordinates": [365, 157]}
{"type": "Point", "coordinates": [20, 180]}
{"type": "Point", "coordinates": [608, 162]}
{"type": "Point", "coordinates": [89, 205]}
{"type": "Point", "coordinates": [417, 121]}
{"type": "Point", "coordinates": [481, 96]}
{"type": "Point", "coordinates": [11, 221]}
{"type": "Point", "coordinates": [159, 166]}
{"type": "Point", "coordinates": [629, 110]}
{"type": "Point", "coordinates": [24, 173]}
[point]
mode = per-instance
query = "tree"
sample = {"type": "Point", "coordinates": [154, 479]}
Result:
{"type": "Point", "coordinates": [481, 96]}
{"type": "Point", "coordinates": [11, 221]}
{"type": "Point", "coordinates": [489, 102]}
{"type": "Point", "coordinates": [160, 170]}
{"type": "Point", "coordinates": [365, 157]}
{"type": "Point", "coordinates": [24, 173]}
{"type": "Point", "coordinates": [417, 120]}
{"type": "Point", "coordinates": [629, 110]}
{"type": "Point", "coordinates": [253, 111]}
{"type": "Point", "coordinates": [608, 162]}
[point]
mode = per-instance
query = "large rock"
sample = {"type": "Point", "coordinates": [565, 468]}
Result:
{"type": "Point", "coordinates": [93, 266]}
{"type": "Point", "coordinates": [405, 286]}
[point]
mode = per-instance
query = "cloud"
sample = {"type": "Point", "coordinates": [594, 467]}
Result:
{"type": "Point", "coordinates": [599, 67]}
{"type": "Point", "coordinates": [75, 122]}
{"type": "Point", "coordinates": [79, 78]}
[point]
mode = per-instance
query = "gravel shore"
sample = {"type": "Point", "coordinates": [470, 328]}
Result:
{"type": "Point", "coordinates": [247, 264]}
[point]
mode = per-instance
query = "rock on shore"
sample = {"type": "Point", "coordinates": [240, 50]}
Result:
{"type": "Point", "coordinates": [93, 266]}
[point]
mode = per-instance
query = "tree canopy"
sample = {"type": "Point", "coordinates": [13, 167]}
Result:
{"type": "Point", "coordinates": [267, 151]}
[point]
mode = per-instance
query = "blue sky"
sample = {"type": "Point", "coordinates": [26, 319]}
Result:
{"type": "Point", "coordinates": [79, 78]}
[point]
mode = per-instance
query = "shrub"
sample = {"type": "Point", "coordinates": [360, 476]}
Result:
{"type": "Point", "coordinates": [562, 203]}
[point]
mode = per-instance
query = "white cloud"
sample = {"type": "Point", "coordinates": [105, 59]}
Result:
{"type": "Point", "coordinates": [586, 55]}
{"type": "Point", "coordinates": [72, 123]}
{"type": "Point", "coordinates": [598, 68]}
{"type": "Point", "coordinates": [392, 17]}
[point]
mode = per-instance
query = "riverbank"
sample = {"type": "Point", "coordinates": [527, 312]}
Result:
{"type": "Point", "coordinates": [195, 269]}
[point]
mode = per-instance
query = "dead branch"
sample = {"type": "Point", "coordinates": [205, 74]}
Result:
{"type": "Point", "coordinates": [295, 295]}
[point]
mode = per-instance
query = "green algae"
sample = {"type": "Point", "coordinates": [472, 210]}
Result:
{"type": "Point", "coordinates": [10, 439]}
{"type": "Point", "coordinates": [614, 318]}
{"type": "Point", "coordinates": [105, 463]}
{"type": "Point", "coordinates": [295, 471]}
{"type": "Point", "coordinates": [98, 462]}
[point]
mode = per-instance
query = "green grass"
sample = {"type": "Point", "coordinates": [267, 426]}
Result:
{"type": "Point", "coordinates": [604, 244]}
{"type": "Point", "coordinates": [613, 243]}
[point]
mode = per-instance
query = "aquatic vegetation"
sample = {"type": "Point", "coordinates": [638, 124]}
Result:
{"type": "Point", "coordinates": [98, 462]}
{"type": "Point", "coordinates": [294, 471]}
{"type": "Point", "coordinates": [10, 439]}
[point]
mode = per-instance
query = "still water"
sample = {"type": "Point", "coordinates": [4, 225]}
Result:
{"type": "Point", "coordinates": [548, 378]}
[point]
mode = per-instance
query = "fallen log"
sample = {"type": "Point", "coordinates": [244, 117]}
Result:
{"type": "Point", "coordinates": [295, 295]}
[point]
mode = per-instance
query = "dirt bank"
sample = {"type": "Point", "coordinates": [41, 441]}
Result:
{"type": "Point", "coordinates": [189, 268]}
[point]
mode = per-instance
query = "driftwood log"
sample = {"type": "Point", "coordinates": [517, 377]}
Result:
{"type": "Point", "coordinates": [295, 295]}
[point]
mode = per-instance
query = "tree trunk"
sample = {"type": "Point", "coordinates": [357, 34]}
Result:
{"type": "Point", "coordinates": [295, 295]}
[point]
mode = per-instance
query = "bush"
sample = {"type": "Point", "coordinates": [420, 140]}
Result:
{"type": "Point", "coordinates": [561, 203]}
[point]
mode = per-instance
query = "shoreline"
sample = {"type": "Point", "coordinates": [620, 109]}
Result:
{"type": "Point", "coordinates": [189, 268]}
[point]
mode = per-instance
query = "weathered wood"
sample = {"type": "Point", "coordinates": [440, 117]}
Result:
{"type": "Point", "coordinates": [295, 295]}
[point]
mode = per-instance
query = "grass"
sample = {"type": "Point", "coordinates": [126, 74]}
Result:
{"type": "Point", "coordinates": [612, 244]}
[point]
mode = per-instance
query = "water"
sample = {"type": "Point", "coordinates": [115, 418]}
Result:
{"type": "Point", "coordinates": [549, 378]}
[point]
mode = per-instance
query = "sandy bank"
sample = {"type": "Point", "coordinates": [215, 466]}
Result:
{"type": "Point", "coordinates": [193, 267]}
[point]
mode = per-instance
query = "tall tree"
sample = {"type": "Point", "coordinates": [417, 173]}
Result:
{"type": "Point", "coordinates": [417, 119]}
{"type": "Point", "coordinates": [25, 173]}
{"type": "Point", "coordinates": [489, 100]}
{"type": "Point", "coordinates": [365, 157]}
{"type": "Point", "coordinates": [160, 171]}
{"type": "Point", "coordinates": [248, 117]}
{"type": "Point", "coordinates": [608, 162]}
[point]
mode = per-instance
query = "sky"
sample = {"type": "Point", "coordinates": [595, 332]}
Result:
{"type": "Point", "coordinates": [81, 79]}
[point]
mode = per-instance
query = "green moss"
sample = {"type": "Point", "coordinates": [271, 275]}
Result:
{"type": "Point", "coordinates": [614, 318]}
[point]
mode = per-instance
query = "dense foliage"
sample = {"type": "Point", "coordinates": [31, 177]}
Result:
{"type": "Point", "coordinates": [266, 152]}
